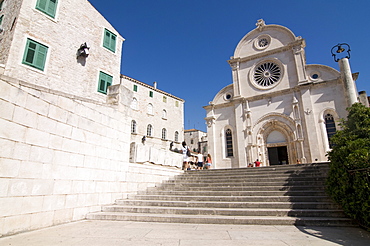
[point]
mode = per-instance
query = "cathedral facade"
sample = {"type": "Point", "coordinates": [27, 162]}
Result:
{"type": "Point", "coordinates": [278, 109]}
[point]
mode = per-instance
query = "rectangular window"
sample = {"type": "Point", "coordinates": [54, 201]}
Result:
{"type": "Point", "coordinates": [35, 54]}
{"type": "Point", "coordinates": [109, 41]}
{"type": "Point", "coordinates": [176, 103]}
{"type": "Point", "coordinates": [135, 88]}
{"type": "Point", "coordinates": [1, 4]}
{"type": "Point", "coordinates": [105, 80]}
{"type": "Point", "coordinates": [1, 19]}
{"type": "Point", "coordinates": [48, 7]}
{"type": "Point", "coordinates": [164, 99]}
{"type": "Point", "coordinates": [150, 93]}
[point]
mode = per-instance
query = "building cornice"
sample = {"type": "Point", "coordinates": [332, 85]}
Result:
{"type": "Point", "coordinates": [151, 87]}
{"type": "Point", "coordinates": [299, 42]}
{"type": "Point", "coordinates": [269, 95]}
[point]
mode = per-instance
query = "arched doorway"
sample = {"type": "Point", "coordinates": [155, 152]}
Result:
{"type": "Point", "coordinates": [277, 150]}
{"type": "Point", "coordinates": [275, 140]}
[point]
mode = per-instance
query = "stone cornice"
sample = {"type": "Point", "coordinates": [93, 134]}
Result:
{"type": "Point", "coordinates": [299, 42]}
{"type": "Point", "coordinates": [151, 87]}
{"type": "Point", "coordinates": [267, 96]}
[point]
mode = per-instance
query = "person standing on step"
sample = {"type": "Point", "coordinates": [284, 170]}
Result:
{"type": "Point", "coordinates": [208, 161]}
{"type": "Point", "coordinates": [257, 163]}
{"type": "Point", "coordinates": [185, 153]}
{"type": "Point", "coordinates": [199, 161]}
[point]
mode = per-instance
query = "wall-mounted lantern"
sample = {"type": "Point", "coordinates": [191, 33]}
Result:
{"type": "Point", "coordinates": [83, 50]}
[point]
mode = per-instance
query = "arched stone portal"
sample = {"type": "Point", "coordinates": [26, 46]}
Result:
{"type": "Point", "coordinates": [276, 140]}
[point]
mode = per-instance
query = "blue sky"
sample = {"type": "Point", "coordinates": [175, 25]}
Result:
{"type": "Point", "coordinates": [184, 45]}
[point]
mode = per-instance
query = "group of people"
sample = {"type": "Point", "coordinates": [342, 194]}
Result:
{"type": "Point", "coordinates": [257, 163]}
{"type": "Point", "coordinates": [199, 159]}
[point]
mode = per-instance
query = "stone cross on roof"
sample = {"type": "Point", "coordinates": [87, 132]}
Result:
{"type": "Point", "coordinates": [260, 24]}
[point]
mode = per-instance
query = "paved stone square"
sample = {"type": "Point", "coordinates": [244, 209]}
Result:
{"type": "Point", "coordinates": [114, 233]}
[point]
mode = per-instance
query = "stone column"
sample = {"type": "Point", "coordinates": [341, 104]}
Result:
{"type": "Point", "coordinates": [363, 98]}
{"type": "Point", "coordinates": [349, 85]}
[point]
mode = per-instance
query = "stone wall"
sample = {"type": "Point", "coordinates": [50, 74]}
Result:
{"type": "Point", "coordinates": [62, 157]}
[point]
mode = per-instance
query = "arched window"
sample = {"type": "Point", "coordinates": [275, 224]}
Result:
{"type": "Point", "coordinates": [133, 126]}
{"type": "Point", "coordinates": [164, 133]}
{"type": "Point", "coordinates": [149, 130]}
{"type": "Point", "coordinates": [330, 127]}
{"type": "Point", "coordinates": [150, 108]}
{"type": "Point", "coordinates": [134, 103]}
{"type": "Point", "coordinates": [164, 114]}
{"type": "Point", "coordinates": [229, 143]}
{"type": "Point", "coordinates": [176, 136]}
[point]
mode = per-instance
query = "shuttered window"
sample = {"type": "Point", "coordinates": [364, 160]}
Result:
{"type": "Point", "coordinates": [48, 7]}
{"type": "Point", "coordinates": [35, 54]}
{"type": "Point", "coordinates": [105, 80]}
{"type": "Point", "coordinates": [109, 41]}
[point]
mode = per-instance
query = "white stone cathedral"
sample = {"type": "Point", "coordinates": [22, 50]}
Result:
{"type": "Point", "coordinates": [278, 109]}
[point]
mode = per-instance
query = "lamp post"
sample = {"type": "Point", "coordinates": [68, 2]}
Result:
{"type": "Point", "coordinates": [341, 54]}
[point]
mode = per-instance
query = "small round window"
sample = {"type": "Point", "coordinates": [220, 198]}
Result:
{"type": "Point", "coordinates": [228, 96]}
{"type": "Point", "coordinates": [314, 75]}
{"type": "Point", "coordinates": [262, 42]}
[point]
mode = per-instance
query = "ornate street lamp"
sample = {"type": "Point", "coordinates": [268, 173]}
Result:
{"type": "Point", "coordinates": [341, 48]}
{"type": "Point", "coordinates": [345, 71]}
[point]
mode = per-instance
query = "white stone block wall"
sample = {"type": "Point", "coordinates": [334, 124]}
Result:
{"type": "Point", "coordinates": [145, 153]}
{"type": "Point", "coordinates": [62, 157]}
{"type": "Point", "coordinates": [75, 22]}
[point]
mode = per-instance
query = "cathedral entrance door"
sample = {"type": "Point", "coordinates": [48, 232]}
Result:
{"type": "Point", "coordinates": [278, 155]}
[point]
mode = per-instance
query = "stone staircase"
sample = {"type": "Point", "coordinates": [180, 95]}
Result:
{"type": "Point", "coordinates": [275, 195]}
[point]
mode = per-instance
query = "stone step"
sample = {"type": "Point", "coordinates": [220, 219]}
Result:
{"type": "Point", "coordinates": [210, 172]}
{"type": "Point", "coordinates": [223, 204]}
{"type": "Point", "coordinates": [282, 169]}
{"type": "Point", "coordinates": [235, 220]}
{"type": "Point", "coordinates": [235, 193]}
{"type": "Point", "coordinates": [283, 195]}
{"type": "Point", "coordinates": [226, 211]}
{"type": "Point", "coordinates": [249, 175]}
{"type": "Point", "coordinates": [238, 188]}
{"type": "Point", "coordinates": [232, 199]}
{"type": "Point", "coordinates": [250, 179]}
{"type": "Point", "coordinates": [242, 183]}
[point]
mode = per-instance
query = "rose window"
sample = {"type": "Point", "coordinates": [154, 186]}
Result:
{"type": "Point", "coordinates": [267, 74]}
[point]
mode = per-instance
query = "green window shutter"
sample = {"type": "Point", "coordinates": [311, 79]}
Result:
{"type": "Point", "coordinates": [109, 41]}
{"type": "Point", "coordinates": [41, 5]}
{"type": "Point", "coordinates": [47, 6]}
{"type": "Point", "coordinates": [41, 57]}
{"type": "Point", "coordinates": [1, 18]}
{"type": "Point", "coordinates": [52, 7]}
{"type": "Point", "coordinates": [105, 80]}
{"type": "Point", "coordinates": [135, 88]}
{"type": "Point", "coordinates": [113, 43]}
{"type": "Point", "coordinates": [106, 43]}
{"type": "Point", "coordinates": [109, 81]}
{"type": "Point", "coordinates": [35, 54]}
